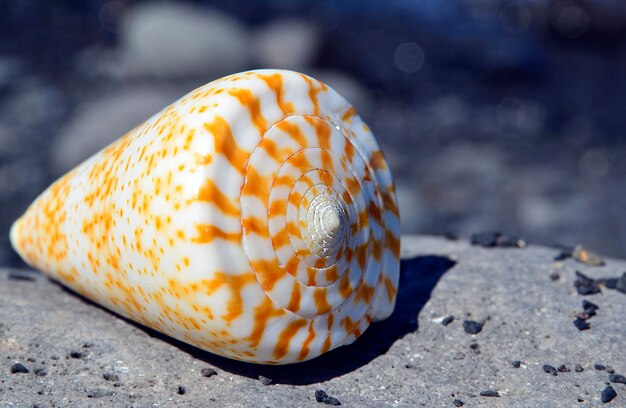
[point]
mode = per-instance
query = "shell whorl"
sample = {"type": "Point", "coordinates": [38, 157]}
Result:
{"type": "Point", "coordinates": [255, 218]}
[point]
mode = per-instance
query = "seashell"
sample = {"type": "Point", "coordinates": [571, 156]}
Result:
{"type": "Point", "coordinates": [254, 218]}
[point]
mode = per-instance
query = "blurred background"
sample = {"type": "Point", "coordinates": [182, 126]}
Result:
{"type": "Point", "coordinates": [494, 115]}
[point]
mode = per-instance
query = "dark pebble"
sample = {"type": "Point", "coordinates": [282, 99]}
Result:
{"type": "Point", "coordinates": [621, 284]}
{"type": "Point", "coordinates": [31, 359]}
{"type": "Point", "coordinates": [579, 368]}
{"type": "Point", "coordinates": [563, 369]}
{"type": "Point", "coordinates": [321, 396]}
{"type": "Point", "coordinates": [617, 378]}
{"type": "Point", "coordinates": [458, 403]}
{"type": "Point", "coordinates": [585, 285]}
{"type": "Point", "coordinates": [549, 369]}
{"type": "Point", "coordinates": [20, 277]}
{"type": "Point", "coordinates": [472, 326]}
{"type": "Point", "coordinates": [111, 376]}
{"type": "Point", "coordinates": [447, 320]}
{"type": "Point", "coordinates": [410, 366]}
{"type": "Point", "coordinates": [41, 372]}
{"type": "Point", "coordinates": [76, 354]}
{"type": "Point", "coordinates": [608, 394]}
{"type": "Point", "coordinates": [610, 370]}
{"type": "Point", "coordinates": [208, 372]}
{"type": "Point", "coordinates": [181, 390]}
{"type": "Point", "coordinates": [265, 380]}
{"type": "Point", "coordinates": [610, 283]}
{"type": "Point", "coordinates": [496, 239]}
{"type": "Point", "coordinates": [563, 256]}
{"type": "Point", "coordinates": [452, 236]}
{"type": "Point", "coordinates": [516, 364]}
{"type": "Point", "coordinates": [581, 324]}
{"type": "Point", "coordinates": [583, 255]}
{"type": "Point", "coordinates": [18, 368]}
{"type": "Point", "coordinates": [489, 393]}
{"type": "Point", "coordinates": [599, 367]}
{"type": "Point", "coordinates": [589, 305]}
{"type": "Point", "coordinates": [554, 276]}
{"type": "Point", "coordinates": [475, 347]}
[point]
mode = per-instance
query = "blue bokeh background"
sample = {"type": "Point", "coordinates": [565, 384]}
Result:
{"type": "Point", "coordinates": [494, 115]}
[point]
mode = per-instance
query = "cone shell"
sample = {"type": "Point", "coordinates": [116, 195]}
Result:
{"type": "Point", "coordinates": [254, 218]}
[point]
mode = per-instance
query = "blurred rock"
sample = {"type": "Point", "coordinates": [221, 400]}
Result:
{"type": "Point", "coordinates": [10, 68]}
{"type": "Point", "coordinates": [99, 123]}
{"type": "Point", "coordinates": [19, 177]}
{"type": "Point", "coordinates": [34, 104]}
{"type": "Point", "coordinates": [175, 40]}
{"type": "Point", "coordinates": [412, 212]}
{"type": "Point", "coordinates": [286, 44]}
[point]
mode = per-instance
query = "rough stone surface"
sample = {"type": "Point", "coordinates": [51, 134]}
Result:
{"type": "Point", "coordinates": [410, 359]}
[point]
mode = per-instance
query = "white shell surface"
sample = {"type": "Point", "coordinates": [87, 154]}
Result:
{"type": "Point", "coordinates": [255, 218]}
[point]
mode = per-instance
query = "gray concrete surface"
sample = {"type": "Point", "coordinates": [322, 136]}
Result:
{"type": "Point", "coordinates": [410, 359]}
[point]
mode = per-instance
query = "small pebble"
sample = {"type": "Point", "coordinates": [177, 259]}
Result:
{"type": "Point", "coordinates": [610, 283]}
{"type": "Point", "coordinates": [599, 367]}
{"type": "Point", "coordinates": [563, 369]}
{"type": "Point", "coordinates": [472, 326]}
{"type": "Point", "coordinates": [589, 305]}
{"type": "Point", "coordinates": [554, 276]}
{"type": "Point", "coordinates": [321, 396]}
{"type": "Point", "coordinates": [18, 368]}
{"type": "Point", "coordinates": [451, 236]}
{"type": "Point", "coordinates": [496, 239]}
{"type": "Point", "coordinates": [446, 321]}
{"type": "Point", "coordinates": [617, 378]}
{"type": "Point", "coordinates": [489, 393]}
{"type": "Point", "coordinates": [41, 372]}
{"type": "Point", "coordinates": [410, 366]}
{"type": "Point", "coordinates": [458, 403]}
{"type": "Point", "coordinates": [31, 359]}
{"type": "Point", "coordinates": [549, 369]}
{"type": "Point", "coordinates": [585, 285]}
{"type": "Point", "coordinates": [608, 394]}
{"type": "Point", "coordinates": [610, 370]}
{"type": "Point", "coordinates": [563, 256]}
{"type": "Point", "coordinates": [475, 347]}
{"type": "Point", "coordinates": [111, 376]}
{"type": "Point", "coordinates": [19, 276]}
{"type": "Point", "coordinates": [181, 390]}
{"type": "Point", "coordinates": [208, 372]}
{"type": "Point", "coordinates": [76, 354]}
{"type": "Point", "coordinates": [579, 368]}
{"type": "Point", "coordinates": [583, 255]}
{"type": "Point", "coordinates": [265, 380]}
{"type": "Point", "coordinates": [581, 324]}
{"type": "Point", "coordinates": [621, 284]}
{"type": "Point", "coordinates": [516, 363]}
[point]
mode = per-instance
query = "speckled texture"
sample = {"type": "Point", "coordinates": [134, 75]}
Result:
{"type": "Point", "coordinates": [208, 221]}
{"type": "Point", "coordinates": [410, 359]}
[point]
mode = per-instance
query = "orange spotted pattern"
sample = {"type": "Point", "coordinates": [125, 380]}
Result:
{"type": "Point", "coordinates": [255, 218]}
